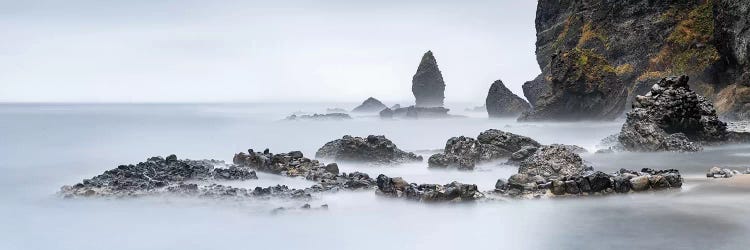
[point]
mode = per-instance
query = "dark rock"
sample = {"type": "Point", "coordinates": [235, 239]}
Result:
{"type": "Point", "coordinates": [599, 181]}
{"type": "Point", "coordinates": [320, 117]}
{"type": "Point", "coordinates": [621, 184]}
{"type": "Point", "coordinates": [332, 168]}
{"type": "Point", "coordinates": [520, 155]}
{"type": "Point", "coordinates": [551, 161]}
{"type": "Point", "coordinates": [671, 117]}
{"type": "Point", "coordinates": [464, 152]}
{"type": "Point", "coordinates": [373, 149]}
{"type": "Point", "coordinates": [234, 173]}
{"type": "Point", "coordinates": [452, 192]}
{"type": "Point", "coordinates": [501, 102]}
{"type": "Point", "coordinates": [574, 148]}
{"type": "Point", "coordinates": [428, 85]}
{"type": "Point", "coordinates": [371, 105]}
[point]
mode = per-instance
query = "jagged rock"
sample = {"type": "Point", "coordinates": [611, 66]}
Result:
{"type": "Point", "coordinates": [372, 149]}
{"type": "Point", "coordinates": [465, 152]}
{"type": "Point", "coordinates": [320, 117]}
{"type": "Point", "coordinates": [452, 192]}
{"type": "Point", "coordinates": [501, 102]}
{"type": "Point", "coordinates": [732, 36]}
{"type": "Point", "coordinates": [396, 106]}
{"type": "Point", "coordinates": [427, 84]}
{"type": "Point", "coordinates": [413, 112]}
{"type": "Point", "coordinates": [671, 117]}
{"type": "Point", "coordinates": [575, 148]}
{"type": "Point", "coordinates": [153, 176]}
{"type": "Point", "coordinates": [520, 155]}
{"type": "Point", "coordinates": [371, 105]}
{"type": "Point", "coordinates": [553, 160]}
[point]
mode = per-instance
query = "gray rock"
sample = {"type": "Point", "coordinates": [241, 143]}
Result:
{"type": "Point", "coordinates": [413, 112]}
{"type": "Point", "coordinates": [465, 152]}
{"type": "Point", "coordinates": [371, 105]}
{"type": "Point", "coordinates": [372, 149]}
{"type": "Point", "coordinates": [501, 102]}
{"type": "Point", "coordinates": [452, 192]}
{"type": "Point", "coordinates": [427, 84]}
{"type": "Point", "coordinates": [551, 161]}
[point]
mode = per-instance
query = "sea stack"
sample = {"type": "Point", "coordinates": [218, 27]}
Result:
{"type": "Point", "coordinates": [427, 85]}
{"type": "Point", "coordinates": [501, 102]}
{"type": "Point", "coordinates": [371, 105]}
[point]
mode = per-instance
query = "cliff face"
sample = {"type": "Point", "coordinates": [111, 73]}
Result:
{"type": "Point", "coordinates": [596, 55]}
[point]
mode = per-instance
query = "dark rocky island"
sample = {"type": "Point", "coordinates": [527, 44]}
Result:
{"type": "Point", "coordinates": [427, 84]}
{"type": "Point", "coordinates": [371, 105]}
{"type": "Point", "coordinates": [501, 102]}
{"type": "Point", "coordinates": [372, 149]}
{"type": "Point", "coordinates": [465, 152]}
{"type": "Point", "coordinates": [452, 192]}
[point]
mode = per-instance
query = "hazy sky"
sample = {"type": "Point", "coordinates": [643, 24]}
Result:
{"type": "Point", "coordinates": [293, 50]}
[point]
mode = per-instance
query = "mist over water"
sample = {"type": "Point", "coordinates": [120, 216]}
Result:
{"type": "Point", "coordinates": [45, 146]}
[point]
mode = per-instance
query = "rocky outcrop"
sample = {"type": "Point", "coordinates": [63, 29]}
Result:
{"type": "Point", "coordinates": [589, 183]}
{"type": "Point", "coordinates": [593, 54]}
{"type": "Point", "coordinates": [671, 117]}
{"type": "Point", "coordinates": [371, 105]}
{"type": "Point", "coordinates": [452, 192]}
{"type": "Point", "coordinates": [501, 102]}
{"type": "Point", "coordinates": [552, 160]}
{"type": "Point", "coordinates": [465, 152]}
{"type": "Point", "coordinates": [320, 117]}
{"type": "Point", "coordinates": [413, 112]}
{"type": "Point", "coordinates": [717, 172]}
{"type": "Point", "coordinates": [155, 175]}
{"type": "Point", "coordinates": [372, 149]}
{"type": "Point", "coordinates": [427, 84]}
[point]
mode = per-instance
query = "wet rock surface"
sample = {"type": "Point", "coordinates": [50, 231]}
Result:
{"type": "Point", "coordinates": [552, 160]}
{"type": "Point", "coordinates": [465, 152]}
{"type": "Point", "coordinates": [320, 117]}
{"type": "Point", "coordinates": [371, 149]}
{"type": "Point", "coordinates": [452, 192]}
{"type": "Point", "coordinates": [427, 84]}
{"type": "Point", "coordinates": [413, 112]}
{"type": "Point", "coordinates": [501, 102]}
{"type": "Point", "coordinates": [371, 105]}
{"type": "Point", "coordinates": [671, 117]}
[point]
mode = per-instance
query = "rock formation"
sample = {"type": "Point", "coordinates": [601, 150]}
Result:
{"type": "Point", "coordinates": [452, 192]}
{"type": "Point", "coordinates": [465, 152]}
{"type": "Point", "coordinates": [372, 149]}
{"type": "Point", "coordinates": [553, 160]}
{"type": "Point", "coordinates": [413, 112]}
{"type": "Point", "coordinates": [320, 117]}
{"type": "Point", "coordinates": [717, 172]}
{"type": "Point", "coordinates": [501, 102]}
{"type": "Point", "coordinates": [671, 117]}
{"type": "Point", "coordinates": [371, 105]}
{"type": "Point", "coordinates": [596, 56]}
{"type": "Point", "coordinates": [427, 84]}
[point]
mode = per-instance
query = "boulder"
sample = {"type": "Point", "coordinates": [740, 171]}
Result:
{"type": "Point", "coordinates": [427, 84]}
{"type": "Point", "coordinates": [671, 117]}
{"type": "Point", "coordinates": [452, 192]}
{"type": "Point", "coordinates": [501, 102]}
{"type": "Point", "coordinates": [372, 149]}
{"type": "Point", "coordinates": [465, 152]}
{"type": "Point", "coordinates": [371, 105]}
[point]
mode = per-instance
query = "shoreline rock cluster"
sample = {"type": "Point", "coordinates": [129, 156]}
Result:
{"type": "Point", "coordinates": [414, 112]}
{"type": "Point", "coordinates": [372, 149]}
{"type": "Point", "coordinates": [717, 172]}
{"type": "Point", "coordinates": [465, 152]}
{"type": "Point", "coordinates": [452, 192]}
{"type": "Point", "coordinates": [319, 117]}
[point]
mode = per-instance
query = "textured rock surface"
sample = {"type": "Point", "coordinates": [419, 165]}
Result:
{"type": "Point", "coordinates": [589, 51]}
{"type": "Point", "coordinates": [452, 192]}
{"type": "Point", "coordinates": [372, 149]}
{"type": "Point", "coordinates": [427, 84]}
{"type": "Point", "coordinates": [553, 160]}
{"type": "Point", "coordinates": [371, 105]}
{"type": "Point", "coordinates": [501, 102]}
{"type": "Point", "coordinates": [465, 152]}
{"type": "Point", "coordinates": [671, 117]}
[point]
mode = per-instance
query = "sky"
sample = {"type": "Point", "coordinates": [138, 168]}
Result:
{"type": "Point", "coordinates": [259, 51]}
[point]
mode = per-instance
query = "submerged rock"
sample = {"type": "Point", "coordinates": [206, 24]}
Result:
{"type": "Point", "coordinates": [465, 152]}
{"type": "Point", "coordinates": [371, 105]}
{"type": "Point", "coordinates": [671, 117]}
{"type": "Point", "coordinates": [320, 117]}
{"type": "Point", "coordinates": [372, 149]}
{"type": "Point", "coordinates": [452, 192]}
{"type": "Point", "coordinates": [413, 112]}
{"type": "Point", "coordinates": [501, 102]}
{"type": "Point", "coordinates": [427, 84]}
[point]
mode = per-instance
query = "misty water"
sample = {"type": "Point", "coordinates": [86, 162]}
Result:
{"type": "Point", "coordinates": [45, 146]}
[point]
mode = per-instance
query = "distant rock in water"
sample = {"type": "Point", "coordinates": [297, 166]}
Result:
{"type": "Point", "coordinates": [501, 102]}
{"type": "Point", "coordinates": [372, 149]}
{"type": "Point", "coordinates": [451, 192]}
{"type": "Point", "coordinates": [371, 105]}
{"type": "Point", "coordinates": [671, 117]}
{"type": "Point", "coordinates": [413, 112]}
{"type": "Point", "coordinates": [553, 160]}
{"type": "Point", "coordinates": [336, 110]}
{"type": "Point", "coordinates": [465, 152]}
{"type": "Point", "coordinates": [319, 117]}
{"type": "Point", "coordinates": [427, 84]}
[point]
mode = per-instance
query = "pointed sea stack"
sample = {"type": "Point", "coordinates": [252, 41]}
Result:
{"type": "Point", "coordinates": [371, 105]}
{"type": "Point", "coordinates": [501, 102]}
{"type": "Point", "coordinates": [427, 85]}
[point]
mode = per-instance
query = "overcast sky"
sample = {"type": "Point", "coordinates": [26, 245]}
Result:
{"type": "Point", "coordinates": [258, 51]}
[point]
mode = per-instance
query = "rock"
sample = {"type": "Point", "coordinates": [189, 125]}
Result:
{"type": "Point", "coordinates": [332, 168]}
{"type": "Point", "coordinates": [574, 148]}
{"type": "Point", "coordinates": [373, 149]}
{"type": "Point", "coordinates": [621, 184]}
{"type": "Point", "coordinates": [589, 51]}
{"type": "Point", "coordinates": [501, 185]}
{"type": "Point", "coordinates": [551, 161]}
{"type": "Point", "coordinates": [599, 181]}
{"type": "Point", "coordinates": [428, 85]}
{"type": "Point", "coordinates": [234, 173]}
{"type": "Point", "coordinates": [319, 117]}
{"type": "Point", "coordinates": [465, 152]}
{"type": "Point", "coordinates": [452, 192]}
{"type": "Point", "coordinates": [671, 117]}
{"type": "Point", "coordinates": [413, 112]}
{"type": "Point", "coordinates": [640, 183]}
{"type": "Point", "coordinates": [371, 105]}
{"type": "Point", "coordinates": [501, 102]}
{"type": "Point", "coordinates": [520, 155]}
{"type": "Point", "coordinates": [717, 172]}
